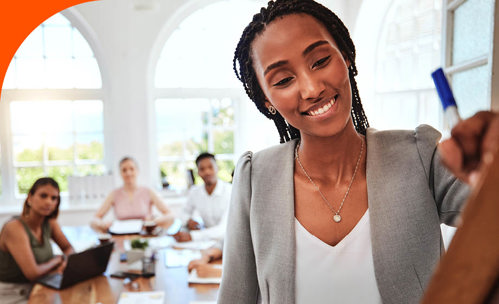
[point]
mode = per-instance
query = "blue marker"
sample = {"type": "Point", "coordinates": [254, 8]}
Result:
{"type": "Point", "coordinates": [451, 115]}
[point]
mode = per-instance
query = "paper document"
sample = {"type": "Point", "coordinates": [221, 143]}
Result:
{"type": "Point", "coordinates": [194, 245]}
{"type": "Point", "coordinates": [126, 227]}
{"type": "Point", "coordinates": [180, 257]}
{"type": "Point", "coordinates": [149, 297]}
{"type": "Point", "coordinates": [193, 277]}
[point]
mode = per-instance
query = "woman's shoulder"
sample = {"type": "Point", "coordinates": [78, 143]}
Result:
{"type": "Point", "coordinates": [13, 228]}
{"type": "Point", "coordinates": [423, 135]}
{"type": "Point", "coordinates": [400, 144]}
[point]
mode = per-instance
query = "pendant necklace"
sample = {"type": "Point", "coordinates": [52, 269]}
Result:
{"type": "Point", "coordinates": [336, 216]}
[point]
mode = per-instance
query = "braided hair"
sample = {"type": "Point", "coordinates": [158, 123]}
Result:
{"type": "Point", "coordinates": [243, 63]}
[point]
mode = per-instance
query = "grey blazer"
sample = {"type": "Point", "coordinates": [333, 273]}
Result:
{"type": "Point", "coordinates": [409, 195]}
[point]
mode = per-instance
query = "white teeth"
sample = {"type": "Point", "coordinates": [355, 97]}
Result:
{"type": "Point", "coordinates": [323, 109]}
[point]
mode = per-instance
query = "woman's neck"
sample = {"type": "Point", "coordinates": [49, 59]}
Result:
{"type": "Point", "coordinates": [33, 220]}
{"type": "Point", "coordinates": [331, 159]}
{"type": "Point", "coordinates": [130, 187]}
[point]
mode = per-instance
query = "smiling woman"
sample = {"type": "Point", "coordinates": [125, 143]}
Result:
{"type": "Point", "coordinates": [332, 213]}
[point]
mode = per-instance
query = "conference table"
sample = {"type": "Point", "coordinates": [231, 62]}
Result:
{"type": "Point", "coordinates": [105, 289]}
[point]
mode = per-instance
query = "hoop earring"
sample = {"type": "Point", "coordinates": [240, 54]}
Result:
{"type": "Point", "coordinates": [272, 110]}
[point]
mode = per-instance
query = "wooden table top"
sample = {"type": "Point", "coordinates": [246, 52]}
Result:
{"type": "Point", "coordinates": [104, 289]}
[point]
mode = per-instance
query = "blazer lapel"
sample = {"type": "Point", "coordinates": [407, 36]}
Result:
{"type": "Point", "coordinates": [389, 189]}
{"type": "Point", "coordinates": [275, 197]}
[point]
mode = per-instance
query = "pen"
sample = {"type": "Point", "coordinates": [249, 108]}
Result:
{"type": "Point", "coordinates": [451, 115]}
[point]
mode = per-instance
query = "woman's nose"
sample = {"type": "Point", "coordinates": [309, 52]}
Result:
{"type": "Point", "coordinates": [310, 87]}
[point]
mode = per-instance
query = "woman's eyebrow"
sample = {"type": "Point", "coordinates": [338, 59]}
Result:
{"type": "Point", "coordinates": [311, 47]}
{"type": "Point", "coordinates": [307, 50]}
{"type": "Point", "coordinates": [274, 66]}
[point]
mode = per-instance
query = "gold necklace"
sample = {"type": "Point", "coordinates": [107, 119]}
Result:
{"type": "Point", "coordinates": [336, 216]}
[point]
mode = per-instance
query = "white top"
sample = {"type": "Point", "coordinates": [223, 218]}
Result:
{"type": "Point", "coordinates": [336, 274]}
{"type": "Point", "coordinates": [212, 209]}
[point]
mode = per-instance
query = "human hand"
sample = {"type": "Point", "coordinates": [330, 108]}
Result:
{"type": "Point", "coordinates": [61, 264]}
{"type": "Point", "coordinates": [208, 271]}
{"type": "Point", "coordinates": [472, 146]}
{"type": "Point", "coordinates": [182, 236]}
{"type": "Point", "coordinates": [193, 225]}
{"type": "Point", "coordinates": [104, 226]}
{"type": "Point", "coordinates": [194, 264]}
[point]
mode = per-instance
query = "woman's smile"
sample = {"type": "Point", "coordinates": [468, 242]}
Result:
{"type": "Point", "coordinates": [323, 108]}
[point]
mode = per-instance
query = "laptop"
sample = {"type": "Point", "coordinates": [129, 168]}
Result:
{"type": "Point", "coordinates": [80, 267]}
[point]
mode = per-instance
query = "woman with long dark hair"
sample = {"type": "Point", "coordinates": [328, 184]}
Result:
{"type": "Point", "coordinates": [340, 212]}
{"type": "Point", "coordinates": [25, 249]}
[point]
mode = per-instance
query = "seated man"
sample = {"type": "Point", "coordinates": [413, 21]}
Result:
{"type": "Point", "coordinates": [210, 200]}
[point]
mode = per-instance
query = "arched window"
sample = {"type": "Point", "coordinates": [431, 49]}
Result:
{"type": "Point", "coordinates": [407, 52]}
{"type": "Point", "coordinates": [197, 94]}
{"type": "Point", "coordinates": [52, 109]}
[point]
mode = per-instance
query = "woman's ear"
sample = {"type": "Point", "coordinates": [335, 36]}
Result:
{"type": "Point", "coordinates": [270, 107]}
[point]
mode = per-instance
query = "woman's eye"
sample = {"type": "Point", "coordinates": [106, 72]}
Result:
{"type": "Point", "coordinates": [282, 82]}
{"type": "Point", "coordinates": [43, 195]}
{"type": "Point", "coordinates": [321, 61]}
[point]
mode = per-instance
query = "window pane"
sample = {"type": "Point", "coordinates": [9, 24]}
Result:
{"type": "Point", "coordinates": [223, 113]}
{"type": "Point", "coordinates": [90, 170]}
{"type": "Point", "coordinates": [224, 142]}
{"type": "Point", "coordinates": [181, 126]}
{"type": "Point", "coordinates": [176, 174]}
{"type": "Point", "coordinates": [88, 116]}
{"type": "Point", "coordinates": [472, 30]}
{"type": "Point", "coordinates": [471, 90]}
{"type": "Point", "coordinates": [10, 80]}
{"type": "Point", "coordinates": [225, 170]}
{"type": "Point", "coordinates": [60, 147]}
{"type": "Point", "coordinates": [60, 174]}
{"type": "Point", "coordinates": [90, 146]}
{"type": "Point", "coordinates": [28, 148]}
{"type": "Point", "coordinates": [41, 116]}
{"type": "Point", "coordinates": [30, 73]}
{"type": "Point", "coordinates": [60, 73]}
{"type": "Point", "coordinates": [57, 41]}
{"type": "Point", "coordinates": [26, 177]}
{"type": "Point", "coordinates": [32, 45]}
{"type": "Point", "coordinates": [88, 75]}
{"type": "Point", "coordinates": [55, 55]}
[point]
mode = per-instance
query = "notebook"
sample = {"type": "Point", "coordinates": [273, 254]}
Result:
{"type": "Point", "coordinates": [80, 266]}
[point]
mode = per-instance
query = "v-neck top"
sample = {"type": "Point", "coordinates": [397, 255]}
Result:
{"type": "Point", "coordinates": [135, 206]}
{"type": "Point", "coordinates": [42, 251]}
{"type": "Point", "coordinates": [335, 274]}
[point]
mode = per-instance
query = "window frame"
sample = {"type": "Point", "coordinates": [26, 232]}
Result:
{"type": "Point", "coordinates": [8, 195]}
{"type": "Point", "coordinates": [9, 166]}
{"type": "Point", "coordinates": [448, 9]}
{"type": "Point", "coordinates": [233, 94]}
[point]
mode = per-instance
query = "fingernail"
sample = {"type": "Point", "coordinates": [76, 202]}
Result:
{"type": "Point", "coordinates": [474, 178]}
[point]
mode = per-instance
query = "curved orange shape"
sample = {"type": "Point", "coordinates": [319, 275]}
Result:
{"type": "Point", "coordinates": [19, 18]}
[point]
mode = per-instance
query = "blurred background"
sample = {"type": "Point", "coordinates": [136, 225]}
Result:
{"type": "Point", "coordinates": [153, 79]}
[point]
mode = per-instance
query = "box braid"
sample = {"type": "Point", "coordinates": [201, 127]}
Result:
{"type": "Point", "coordinates": [243, 63]}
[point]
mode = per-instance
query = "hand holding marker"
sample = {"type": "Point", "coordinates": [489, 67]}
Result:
{"type": "Point", "coordinates": [451, 115]}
